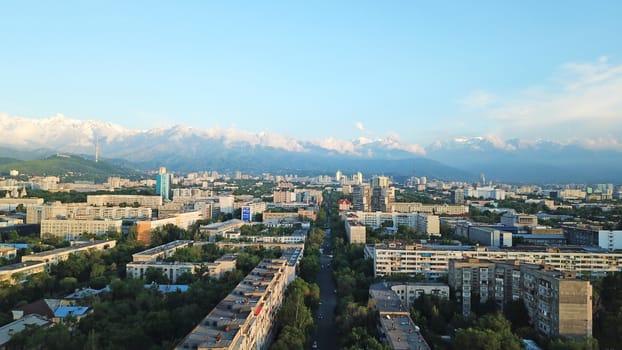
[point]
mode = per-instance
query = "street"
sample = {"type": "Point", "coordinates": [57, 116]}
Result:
{"type": "Point", "coordinates": [326, 331]}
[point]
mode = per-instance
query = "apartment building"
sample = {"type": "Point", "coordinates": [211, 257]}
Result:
{"type": "Point", "coordinates": [558, 304]}
{"type": "Point", "coordinates": [283, 196]}
{"type": "Point", "coordinates": [398, 328]}
{"type": "Point", "coordinates": [437, 209]}
{"type": "Point", "coordinates": [361, 197]}
{"type": "Point", "coordinates": [408, 292]}
{"type": "Point", "coordinates": [355, 232]}
{"type": "Point", "coordinates": [11, 203]}
{"type": "Point", "coordinates": [422, 222]}
{"type": "Point", "coordinates": [428, 224]}
{"type": "Point", "coordinates": [51, 257]}
{"type": "Point", "coordinates": [182, 220]}
{"type": "Point", "coordinates": [303, 213]}
{"type": "Point", "coordinates": [245, 318]}
{"type": "Point", "coordinates": [7, 252]}
{"type": "Point", "coordinates": [72, 230]}
{"type": "Point", "coordinates": [433, 260]}
{"type": "Point", "coordinates": [160, 252]}
{"type": "Point", "coordinates": [519, 220]}
{"type": "Point", "coordinates": [469, 278]}
{"type": "Point", "coordinates": [273, 245]}
{"type": "Point", "coordinates": [172, 270]}
{"type": "Point", "coordinates": [15, 273]}
{"type": "Point", "coordinates": [218, 228]}
{"type": "Point", "coordinates": [83, 211]}
{"type": "Point", "coordinates": [116, 199]}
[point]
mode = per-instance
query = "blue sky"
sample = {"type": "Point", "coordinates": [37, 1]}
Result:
{"type": "Point", "coordinates": [420, 71]}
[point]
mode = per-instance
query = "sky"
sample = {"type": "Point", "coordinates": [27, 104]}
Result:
{"type": "Point", "coordinates": [409, 70]}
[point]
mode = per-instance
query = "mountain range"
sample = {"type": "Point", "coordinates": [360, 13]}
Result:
{"type": "Point", "coordinates": [183, 148]}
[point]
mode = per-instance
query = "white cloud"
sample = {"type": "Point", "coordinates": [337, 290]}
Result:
{"type": "Point", "coordinates": [580, 101]}
{"type": "Point", "coordinates": [477, 100]}
{"type": "Point", "coordinates": [73, 135]}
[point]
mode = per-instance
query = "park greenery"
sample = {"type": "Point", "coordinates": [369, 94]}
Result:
{"type": "Point", "coordinates": [130, 316]}
{"type": "Point", "coordinates": [295, 319]}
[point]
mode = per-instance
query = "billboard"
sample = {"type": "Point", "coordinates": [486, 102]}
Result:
{"type": "Point", "coordinates": [246, 214]}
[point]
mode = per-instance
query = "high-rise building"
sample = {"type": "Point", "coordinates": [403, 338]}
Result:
{"type": "Point", "coordinates": [382, 196]}
{"type": "Point", "coordinates": [359, 178]}
{"type": "Point", "coordinates": [338, 176]}
{"type": "Point", "coordinates": [380, 182]}
{"type": "Point", "coordinates": [163, 184]}
{"type": "Point", "coordinates": [361, 197]}
{"type": "Point", "coordinates": [558, 304]}
{"type": "Point", "coordinates": [457, 196]}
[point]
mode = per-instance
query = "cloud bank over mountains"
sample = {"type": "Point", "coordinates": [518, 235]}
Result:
{"type": "Point", "coordinates": [189, 149]}
{"type": "Point", "coordinates": [581, 103]}
{"type": "Point", "coordinates": [73, 135]}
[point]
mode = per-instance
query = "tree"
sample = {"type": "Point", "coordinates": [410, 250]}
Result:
{"type": "Point", "coordinates": [155, 275]}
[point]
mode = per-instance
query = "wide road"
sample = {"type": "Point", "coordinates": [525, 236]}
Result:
{"type": "Point", "coordinates": [326, 331]}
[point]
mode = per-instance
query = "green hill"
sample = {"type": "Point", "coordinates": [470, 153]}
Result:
{"type": "Point", "coordinates": [7, 160]}
{"type": "Point", "coordinates": [70, 168]}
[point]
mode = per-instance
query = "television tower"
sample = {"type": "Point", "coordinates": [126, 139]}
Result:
{"type": "Point", "coordinates": [96, 149]}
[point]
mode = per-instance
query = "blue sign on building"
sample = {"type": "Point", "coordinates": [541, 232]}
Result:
{"type": "Point", "coordinates": [246, 214]}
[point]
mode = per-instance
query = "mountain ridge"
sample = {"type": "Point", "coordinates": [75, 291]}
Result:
{"type": "Point", "coordinates": [184, 148]}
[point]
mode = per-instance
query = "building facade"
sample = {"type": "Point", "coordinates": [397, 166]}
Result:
{"type": "Point", "coordinates": [245, 318]}
{"type": "Point", "coordinates": [163, 184]}
{"type": "Point", "coordinates": [433, 261]}
{"type": "Point", "coordinates": [355, 232]}
{"type": "Point", "coordinates": [72, 230]}
{"type": "Point", "coordinates": [558, 304]}
{"type": "Point", "coordinates": [117, 199]}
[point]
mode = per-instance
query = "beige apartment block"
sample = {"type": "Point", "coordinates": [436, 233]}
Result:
{"type": "Point", "coordinates": [82, 211]}
{"type": "Point", "coordinates": [116, 199]}
{"type": "Point", "coordinates": [245, 318]}
{"type": "Point", "coordinates": [433, 260]}
{"type": "Point", "coordinates": [355, 232]}
{"type": "Point", "coordinates": [558, 304]}
{"type": "Point", "coordinates": [73, 229]}
{"type": "Point", "coordinates": [15, 273]}
{"type": "Point", "coordinates": [51, 257]}
{"type": "Point", "coordinates": [436, 209]}
{"type": "Point", "coordinates": [172, 270]}
{"type": "Point", "coordinates": [160, 252]}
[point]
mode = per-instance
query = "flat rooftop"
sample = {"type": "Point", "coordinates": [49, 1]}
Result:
{"type": "Point", "coordinates": [220, 327]}
{"type": "Point", "coordinates": [398, 328]}
{"type": "Point", "coordinates": [19, 325]}
{"type": "Point", "coordinates": [70, 249]}
{"type": "Point", "coordinates": [18, 265]}
{"type": "Point", "coordinates": [163, 247]}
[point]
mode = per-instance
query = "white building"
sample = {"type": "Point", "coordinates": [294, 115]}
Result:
{"type": "Point", "coordinates": [355, 232]}
{"type": "Point", "coordinates": [422, 222]}
{"type": "Point", "coordinates": [433, 260]}
{"type": "Point", "coordinates": [72, 230]}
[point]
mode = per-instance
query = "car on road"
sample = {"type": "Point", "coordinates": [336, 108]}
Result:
{"type": "Point", "coordinates": [314, 346]}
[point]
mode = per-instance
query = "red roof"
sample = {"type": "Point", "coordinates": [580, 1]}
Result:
{"type": "Point", "coordinates": [258, 310]}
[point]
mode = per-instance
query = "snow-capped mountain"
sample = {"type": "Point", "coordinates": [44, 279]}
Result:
{"type": "Point", "coordinates": [529, 161]}
{"type": "Point", "coordinates": [186, 148]}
